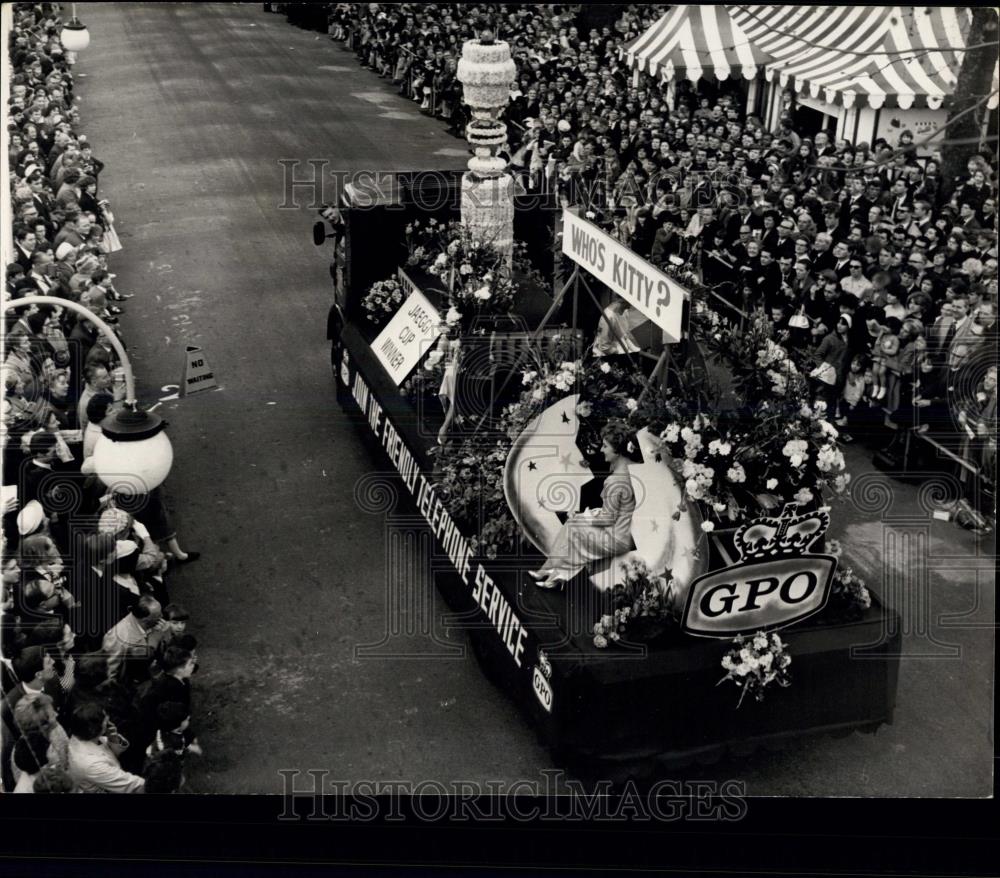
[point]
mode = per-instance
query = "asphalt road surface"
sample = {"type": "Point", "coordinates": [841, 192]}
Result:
{"type": "Point", "coordinates": [192, 107]}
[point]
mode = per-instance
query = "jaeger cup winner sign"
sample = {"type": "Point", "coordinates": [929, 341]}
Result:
{"type": "Point", "coordinates": [642, 285]}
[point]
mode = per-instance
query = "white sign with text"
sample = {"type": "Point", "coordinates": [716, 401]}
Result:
{"type": "Point", "coordinates": [642, 285]}
{"type": "Point", "coordinates": [409, 335]}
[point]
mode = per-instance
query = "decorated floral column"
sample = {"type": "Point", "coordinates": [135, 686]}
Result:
{"type": "Point", "coordinates": [486, 71]}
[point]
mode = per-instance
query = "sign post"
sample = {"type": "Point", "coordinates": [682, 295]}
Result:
{"type": "Point", "coordinates": [198, 375]}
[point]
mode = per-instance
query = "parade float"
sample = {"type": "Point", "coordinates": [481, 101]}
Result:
{"type": "Point", "coordinates": [723, 618]}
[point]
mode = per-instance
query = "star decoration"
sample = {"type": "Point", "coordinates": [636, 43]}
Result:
{"type": "Point", "coordinates": [532, 465]}
{"type": "Point", "coordinates": [656, 526]}
{"type": "Point", "coordinates": [565, 460]}
{"type": "Point", "coordinates": [565, 418]}
{"type": "Point", "coordinates": [658, 457]}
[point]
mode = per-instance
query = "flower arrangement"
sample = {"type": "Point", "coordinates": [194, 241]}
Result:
{"type": "Point", "coordinates": [755, 663]}
{"type": "Point", "coordinates": [849, 595]}
{"type": "Point", "coordinates": [382, 300]}
{"type": "Point", "coordinates": [644, 597]}
{"type": "Point", "coordinates": [471, 270]}
{"type": "Point", "coordinates": [769, 441]}
{"type": "Point", "coordinates": [471, 484]}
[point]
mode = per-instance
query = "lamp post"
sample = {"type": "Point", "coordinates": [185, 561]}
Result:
{"type": "Point", "coordinates": [133, 454]}
{"type": "Point", "coordinates": [486, 71]}
{"type": "Point", "coordinates": [74, 36]}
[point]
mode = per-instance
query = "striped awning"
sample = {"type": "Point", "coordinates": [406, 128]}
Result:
{"type": "Point", "coordinates": [884, 55]}
{"type": "Point", "coordinates": [695, 41]}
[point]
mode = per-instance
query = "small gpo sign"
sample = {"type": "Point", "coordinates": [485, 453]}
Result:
{"type": "Point", "coordinates": [775, 583]}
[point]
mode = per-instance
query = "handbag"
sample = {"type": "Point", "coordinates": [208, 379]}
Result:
{"type": "Point", "coordinates": [826, 373]}
{"type": "Point", "coordinates": [112, 243]}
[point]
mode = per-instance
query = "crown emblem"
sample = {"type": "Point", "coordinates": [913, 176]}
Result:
{"type": "Point", "coordinates": [788, 534]}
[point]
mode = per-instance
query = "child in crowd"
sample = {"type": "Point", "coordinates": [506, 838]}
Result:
{"type": "Point", "coordinates": [884, 355]}
{"type": "Point", "coordinates": [173, 732]}
{"type": "Point", "coordinates": [853, 397]}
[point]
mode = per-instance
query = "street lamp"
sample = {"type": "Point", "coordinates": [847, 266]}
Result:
{"type": "Point", "coordinates": [74, 36]}
{"type": "Point", "coordinates": [133, 454]}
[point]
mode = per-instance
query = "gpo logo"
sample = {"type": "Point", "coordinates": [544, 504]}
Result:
{"type": "Point", "coordinates": [775, 584]}
{"type": "Point", "coordinates": [542, 689]}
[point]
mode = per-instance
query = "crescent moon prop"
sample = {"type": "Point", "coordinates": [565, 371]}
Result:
{"type": "Point", "coordinates": [543, 475]}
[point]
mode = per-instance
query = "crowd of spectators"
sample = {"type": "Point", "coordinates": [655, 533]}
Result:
{"type": "Point", "coordinates": [96, 660]}
{"type": "Point", "coordinates": [879, 275]}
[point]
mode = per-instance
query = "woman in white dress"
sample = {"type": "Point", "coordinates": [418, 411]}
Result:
{"type": "Point", "coordinates": [596, 533]}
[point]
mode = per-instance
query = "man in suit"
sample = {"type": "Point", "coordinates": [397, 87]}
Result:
{"type": "Point", "coordinates": [968, 221]}
{"type": "Point", "coordinates": [841, 260]}
{"type": "Point", "coordinates": [744, 216]}
{"type": "Point", "coordinates": [24, 246]}
{"type": "Point", "coordinates": [856, 205]}
{"type": "Point", "coordinates": [36, 671]}
{"type": "Point", "coordinates": [897, 197]}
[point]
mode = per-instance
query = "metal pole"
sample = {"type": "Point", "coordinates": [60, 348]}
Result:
{"type": "Point", "coordinates": [87, 314]}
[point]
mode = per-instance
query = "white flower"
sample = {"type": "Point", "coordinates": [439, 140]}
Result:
{"type": "Point", "coordinates": [465, 269]}
{"type": "Point", "coordinates": [727, 662]}
{"type": "Point", "coordinates": [631, 404]}
{"type": "Point", "coordinates": [803, 496]}
{"type": "Point", "coordinates": [538, 394]}
{"type": "Point", "coordinates": [606, 620]}
{"type": "Point", "coordinates": [441, 260]}
{"type": "Point", "coordinates": [796, 460]}
{"type": "Point", "coordinates": [772, 484]}
{"type": "Point", "coordinates": [584, 409]}
{"type": "Point", "coordinates": [453, 247]}
{"type": "Point", "coordinates": [600, 641]}
{"type": "Point", "coordinates": [528, 377]}
{"type": "Point", "coordinates": [707, 526]}
{"type": "Point", "coordinates": [736, 473]}
{"type": "Point", "coordinates": [605, 368]}
{"type": "Point", "coordinates": [830, 459]}
{"type": "Point", "coordinates": [760, 642]}
{"type": "Point", "coordinates": [433, 358]}
{"type": "Point", "coordinates": [671, 433]}
{"type": "Point", "coordinates": [742, 670]}
{"type": "Point", "coordinates": [717, 446]}
{"type": "Point", "coordinates": [432, 222]}
{"type": "Point", "coordinates": [765, 660]}
{"type": "Point", "coordinates": [692, 487]}
{"type": "Point", "coordinates": [453, 316]}
{"type": "Point", "coordinates": [827, 428]}
{"type": "Point", "coordinates": [719, 507]}
{"type": "Point", "coordinates": [483, 294]}
{"type": "Point", "coordinates": [598, 628]}
{"type": "Point", "coordinates": [786, 660]}
{"type": "Point", "coordinates": [776, 641]}
{"type": "Point", "coordinates": [614, 635]}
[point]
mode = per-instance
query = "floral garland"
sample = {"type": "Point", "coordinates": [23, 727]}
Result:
{"type": "Point", "coordinates": [382, 300]}
{"type": "Point", "coordinates": [755, 663]}
{"type": "Point", "coordinates": [643, 595]}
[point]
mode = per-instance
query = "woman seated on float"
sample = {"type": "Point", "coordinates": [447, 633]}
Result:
{"type": "Point", "coordinates": [597, 533]}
